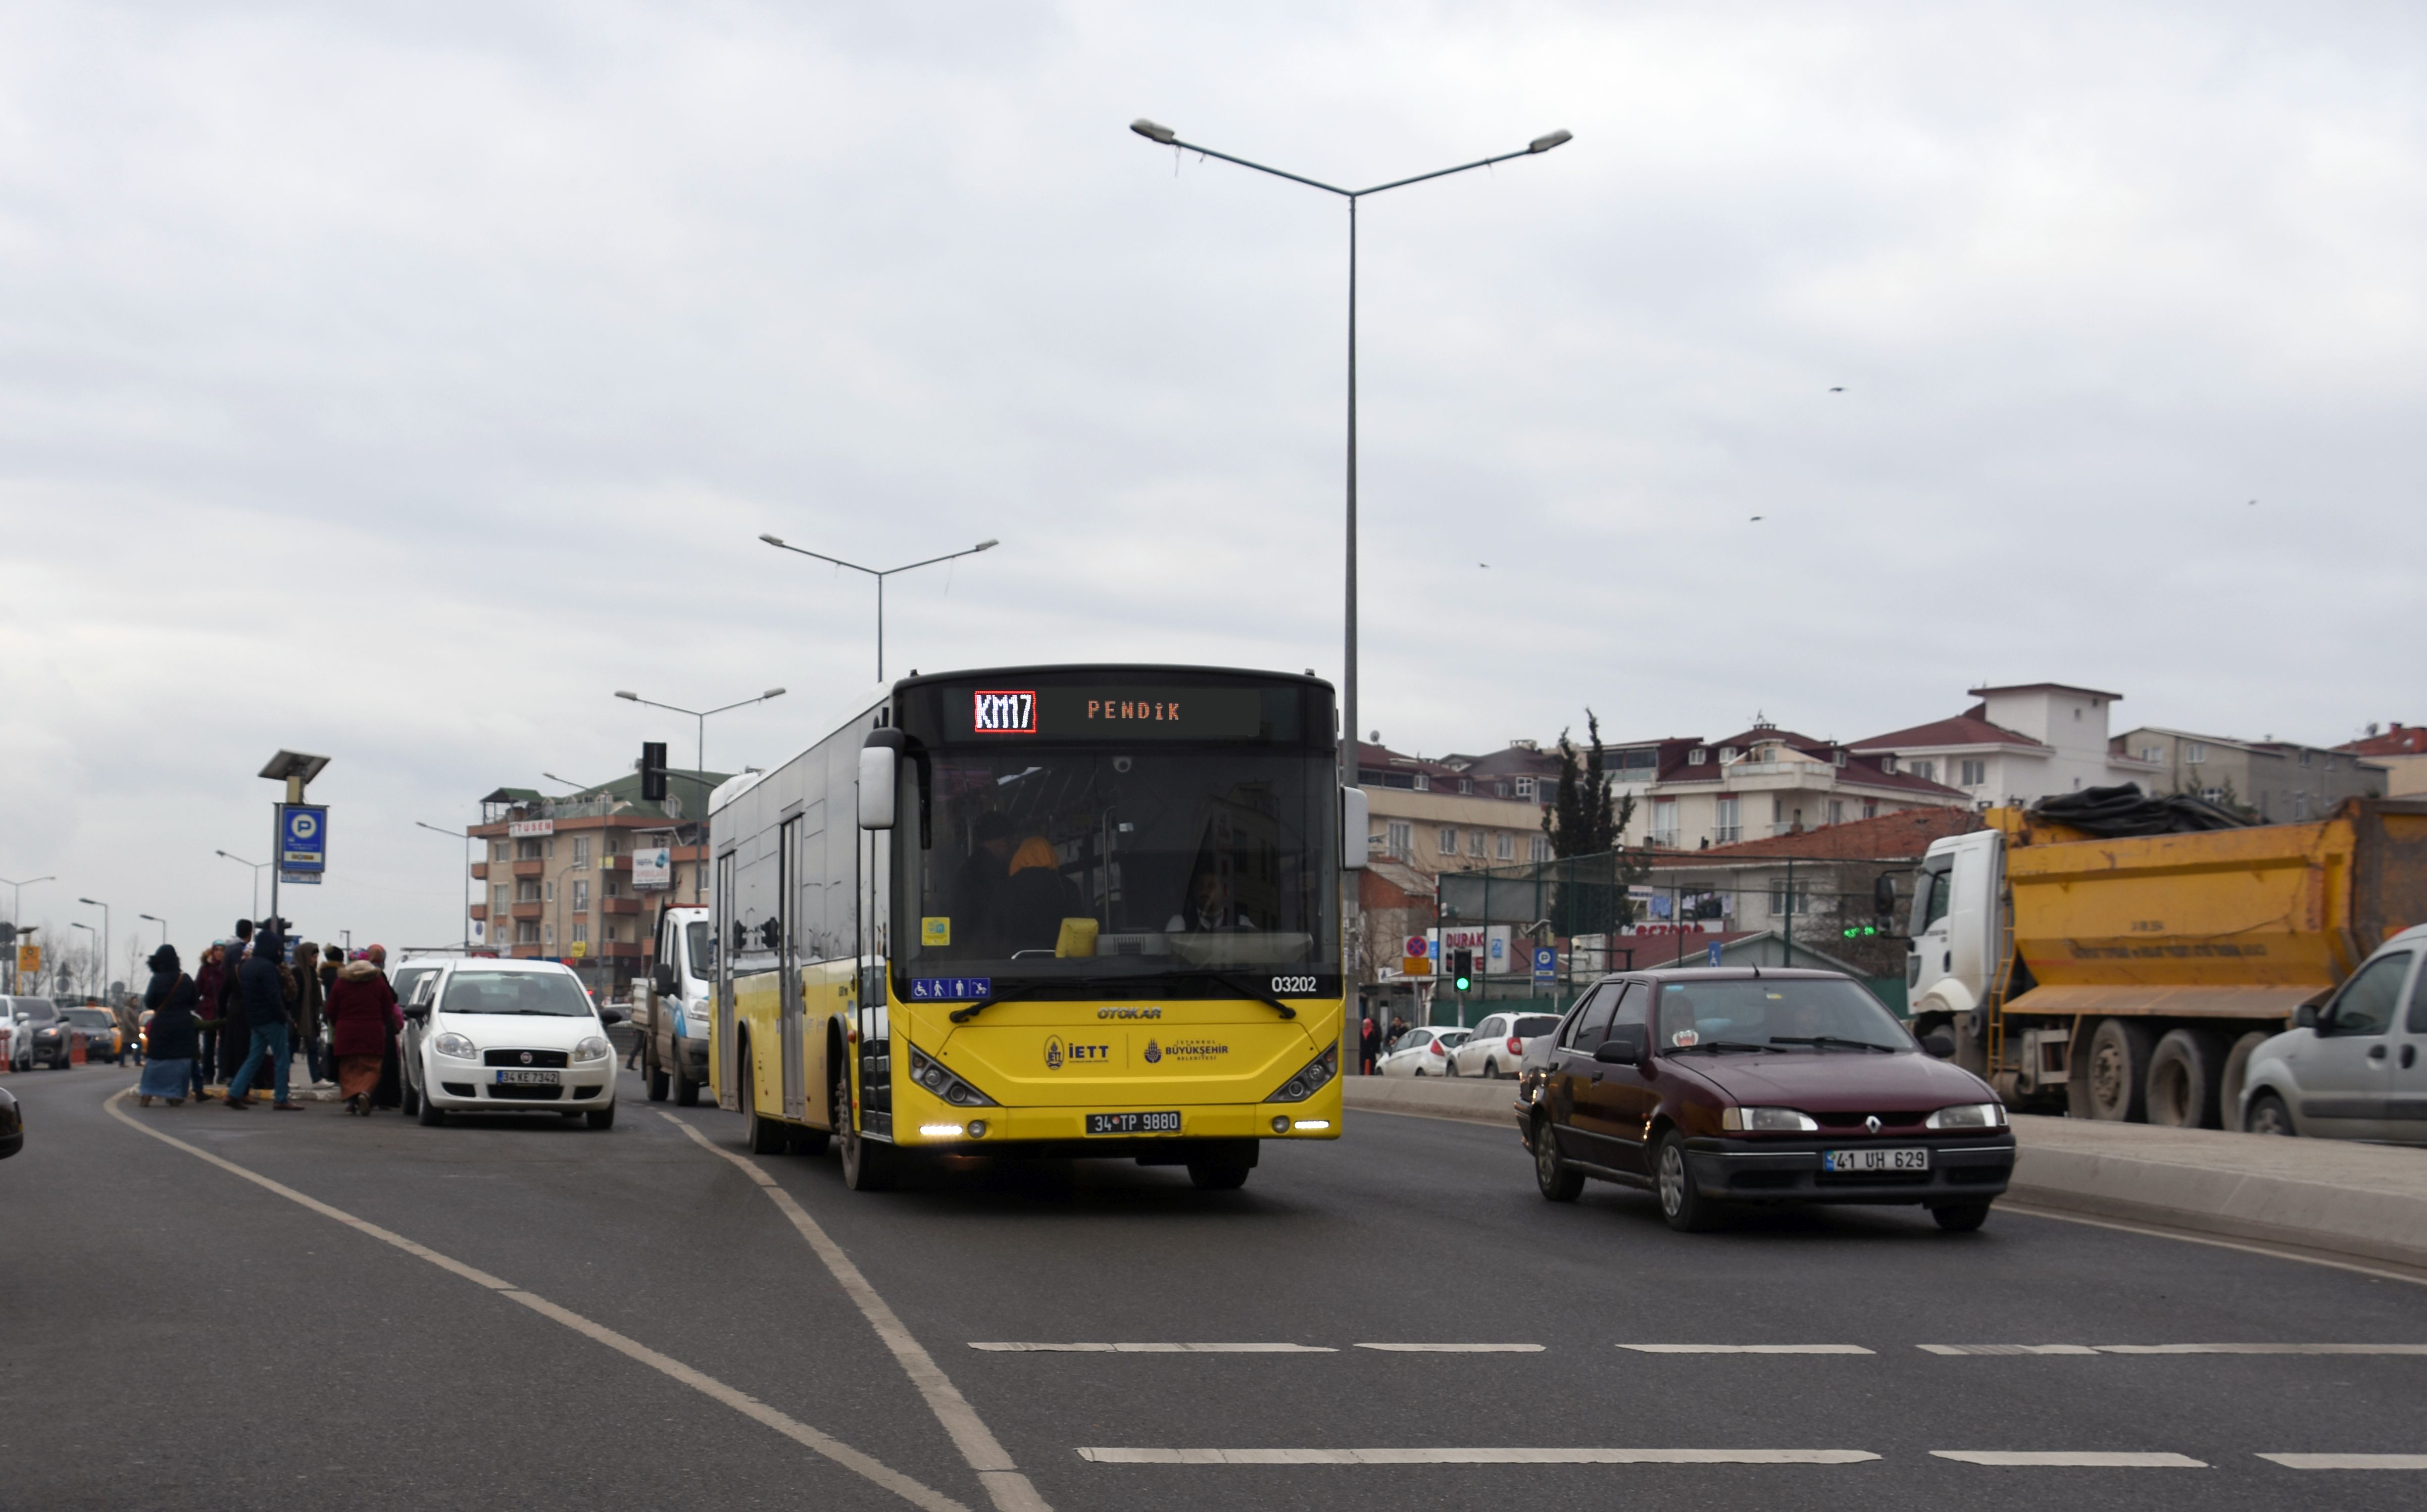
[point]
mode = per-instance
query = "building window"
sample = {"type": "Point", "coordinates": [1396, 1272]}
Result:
{"type": "Point", "coordinates": [1696, 756]}
{"type": "Point", "coordinates": [1836, 811]}
{"type": "Point", "coordinates": [615, 888]}
{"type": "Point", "coordinates": [1925, 771]}
{"type": "Point", "coordinates": [2153, 753]}
{"type": "Point", "coordinates": [2214, 795]}
{"type": "Point", "coordinates": [2305, 759]}
{"type": "Point", "coordinates": [1777, 809]}
{"type": "Point", "coordinates": [1505, 849]}
{"type": "Point", "coordinates": [526, 932]}
{"type": "Point", "coordinates": [1399, 839]}
{"type": "Point", "coordinates": [2300, 806]}
{"type": "Point", "coordinates": [581, 896]}
{"type": "Point", "coordinates": [2195, 752]}
{"type": "Point", "coordinates": [1730, 825]}
{"type": "Point", "coordinates": [581, 852]}
{"type": "Point", "coordinates": [548, 893]}
{"type": "Point", "coordinates": [1871, 808]}
{"type": "Point", "coordinates": [527, 850]}
{"type": "Point", "coordinates": [1525, 784]}
{"type": "Point", "coordinates": [1466, 785]}
{"type": "Point", "coordinates": [548, 933]}
{"type": "Point", "coordinates": [1424, 782]}
{"type": "Point", "coordinates": [1778, 900]}
{"type": "Point", "coordinates": [1449, 842]}
{"type": "Point", "coordinates": [582, 932]}
{"type": "Point", "coordinates": [1727, 754]}
{"type": "Point", "coordinates": [499, 898]}
{"type": "Point", "coordinates": [501, 850]}
{"type": "Point", "coordinates": [1663, 821]}
{"type": "Point", "coordinates": [1475, 844]}
{"type": "Point", "coordinates": [1974, 773]}
{"type": "Point", "coordinates": [525, 891]}
{"type": "Point", "coordinates": [1540, 849]}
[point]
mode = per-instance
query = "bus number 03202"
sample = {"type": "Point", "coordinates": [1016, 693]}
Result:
{"type": "Point", "coordinates": [1299, 986]}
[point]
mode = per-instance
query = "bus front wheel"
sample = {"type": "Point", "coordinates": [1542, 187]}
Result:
{"type": "Point", "coordinates": [867, 1166]}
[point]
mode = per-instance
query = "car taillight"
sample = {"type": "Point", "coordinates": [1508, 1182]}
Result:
{"type": "Point", "coordinates": [1516, 1045]}
{"type": "Point", "coordinates": [1437, 1048]}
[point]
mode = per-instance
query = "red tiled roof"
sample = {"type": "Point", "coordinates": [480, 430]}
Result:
{"type": "Point", "coordinates": [1901, 836]}
{"type": "Point", "coordinates": [2403, 740]}
{"type": "Point", "coordinates": [1967, 728]}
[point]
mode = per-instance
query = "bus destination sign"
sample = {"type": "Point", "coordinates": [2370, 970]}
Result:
{"type": "Point", "coordinates": [1119, 713]}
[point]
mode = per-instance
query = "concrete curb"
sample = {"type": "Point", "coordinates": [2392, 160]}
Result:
{"type": "Point", "coordinates": [2360, 1201]}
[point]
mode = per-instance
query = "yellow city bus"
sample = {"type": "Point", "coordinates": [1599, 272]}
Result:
{"type": "Point", "coordinates": [1052, 911]}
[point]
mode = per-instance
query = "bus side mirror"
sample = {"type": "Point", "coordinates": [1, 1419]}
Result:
{"type": "Point", "coordinates": [1354, 818]}
{"type": "Point", "coordinates": [877, 765]}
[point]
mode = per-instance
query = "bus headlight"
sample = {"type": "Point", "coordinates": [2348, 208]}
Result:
{"type": "Point", "coordinates": [1317, 1073]}
{"type": "Point", "coordinates": [930, 1074]}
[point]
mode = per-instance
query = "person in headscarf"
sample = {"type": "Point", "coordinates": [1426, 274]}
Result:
{"type": "Point", "coordinates": [363, 1023]}
{"type": "Point", "coordinates": [390, 1092]}
{"type": "Point", "coordinates": [169, 1069]}
{"type": "Point", "coordinates": [208, 982]}
{"type": "Point", "coordinates": [308, 1000]}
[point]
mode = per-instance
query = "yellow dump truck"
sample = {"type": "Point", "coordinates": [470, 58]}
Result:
{"type": "Point", "coordinates": [2129, 978]}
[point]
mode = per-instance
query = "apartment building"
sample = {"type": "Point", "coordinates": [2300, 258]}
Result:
{"type": "Point", "coordinates": [2018, 744]}
{"type": "Point", "coordinates": [1434, 817]}
{"type": "Point", "coordinates": [2280, 781]}
{"type": "Point", "coordinates": [1691, 793]}
{"type": "Point", "coordinates": [2401, 751]}
{"type": "Point", "coordinates": [579, 878]}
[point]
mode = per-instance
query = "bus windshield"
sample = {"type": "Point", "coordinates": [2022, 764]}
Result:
{"type": "Point", "coordinates": [1090, 863]}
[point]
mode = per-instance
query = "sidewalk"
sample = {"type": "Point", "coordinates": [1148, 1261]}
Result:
{"type": "Point", "coordinates": [2359, 1201]}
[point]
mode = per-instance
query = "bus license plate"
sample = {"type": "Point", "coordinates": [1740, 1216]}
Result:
{"type": "Point", "coordinates": [1874, 1162]}
{"type": "Point", "coordinates": [529, 1079]}
{"type": "Point", "coordinates": [1133, 1123]}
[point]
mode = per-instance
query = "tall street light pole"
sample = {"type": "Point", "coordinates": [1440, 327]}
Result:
{"type": "Point", "coordinates": [1165, 136]}
{"type": "Point", "coordinates": [16, 915]}
{"type": "Point", "coordinates": [162, 922]}
{"type": "Point", "coordinates": [95, 902]}
{"type": "Point", "coordinates": [880, 574]}
{"type": "Point", "coordinates": [78, 924]}
{"type": "Point", "coordinates": [464, 881]}
{"type": "Point", "coordinates": [699, 714]}
{"type": "Point", "coordinates": [256, 876]}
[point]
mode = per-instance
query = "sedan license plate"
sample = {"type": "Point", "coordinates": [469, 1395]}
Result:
{"type": "Point", "coordinates": [1133, 1123]}
{"type": "Point", "coordinates": [1874, 1162]}
{"type": "Point", "coordinates": [529, 1079]}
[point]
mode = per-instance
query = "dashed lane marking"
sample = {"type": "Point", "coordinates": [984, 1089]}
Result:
{"type": "Point", "coordinates": [707, 1385]}
{"type": "Point", "coordinates": [1746, 1349]}
{"type": "Point", "coordinates": [1155, 1349]}
{"type": "Point", "coordinates": [2175, 1349]}
{"type": "Point", "coordinates": [1455, 1349]}
{"type": "Point", "coordinates": [1476, 1456]}
{"type": "Point", "coordinates": [2349, 1462]}
{"type": "Point", "coordinates": [2071, 1458]}
{"type": "Point", "coordinates": [1010, 1491]}
{"type": "Point", "coordinates": [2006, 1349]}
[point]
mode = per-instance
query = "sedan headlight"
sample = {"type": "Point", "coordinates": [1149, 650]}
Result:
{"type": "Point", "coordinates": [1969, 1116]}
{"type": "Point", "coordinates": [455, 1046]}
{"type": "Point", "coordinates": [594, 1047]}
{"type": "Point", "coordinates": [1768, 1121]}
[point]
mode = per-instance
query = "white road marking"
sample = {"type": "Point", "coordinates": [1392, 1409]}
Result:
{"type": "Point", "coordinates": [1455, 1349]}
{"type": "Point", "coordinates": [2006, 1349]}
{"type": "Point", "coordinates": [1156, 1349]}
{"type": "Point", "coordinates": [1746, 1349]}
{"type": "Point", "coordinates": [1010, 1491]}
{"type": "Point", "coordinates": [741, 1402]}
{"type": "Point", "coordinates": [1476, 1456]}
{"type": "Point", "coordinates": [2073, 1458]}
{"type": "Point", "coordinates": [2349, 1462]}
{"type": "Point", "coordinates": [2272, 1252]}
{"type": "Point", "coordinates": [2262, 1349]}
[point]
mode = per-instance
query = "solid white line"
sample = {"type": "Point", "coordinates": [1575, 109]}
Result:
{"type": "Point", "coordinates": [1455, 1349]}
{"type": "Point", "coordinates": [2078, 1459]}
{"type": "Point", "coordinates": [1010, 1491]}
{"type": "Point", "coordinates": [2006, 1349]}
{"type": "Point", "coordinates": [2414, 1278]}
{"type": "Point", "coordinates": [741, 1402]}
{"type": "Point", "coordinates": [1156, 1349]}
{"type": "Point", "coordinates": [1746, 1349]}
{"type": "Point", "coordinates": [2349, 1462]}
{"type": "Point", "coordinates": [2262, 1349]}
{"type": "Point", "coordinates": [1476, 1456]}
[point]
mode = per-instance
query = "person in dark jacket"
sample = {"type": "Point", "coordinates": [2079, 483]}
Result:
{"type": "Point", "coordinates": [309, 1000]}
{"type": "Point", "coordinates": [169, 1067]}
{"type": "Point", "coordinates": [390, 1092]}
{"type": "Point", "coordinates": [235, 1031]}
{"type": "Point", "coordinates": [363, 1023]}
{"type": "Point", "coordinates": [262, 985]}
{"type": "Point", "coordinates": [208, 981]}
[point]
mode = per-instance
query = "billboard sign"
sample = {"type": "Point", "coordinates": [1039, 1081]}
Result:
{"type": "Point", "coordinates": [653, 866]}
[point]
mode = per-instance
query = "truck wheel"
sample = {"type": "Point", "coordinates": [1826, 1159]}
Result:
{"type": "Point", "coordinates": [2111, 1080]}
{"type": "Point", "coordinates": [2184, 1073]}
{"type": "Point", "coordinates": [2236, 1077]}
{"type": "Point", "coordinates": [1558, 1184]}
{"type": "Point", "coordinates": [686, 1090]}
{"type": "Point", "coordinates": [654, 1074]}
{"type": "Point", "coordinates": [2268, 1115]}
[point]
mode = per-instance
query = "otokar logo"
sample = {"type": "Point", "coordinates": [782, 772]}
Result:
{"type": "Point", "coordinates": [994, 712]}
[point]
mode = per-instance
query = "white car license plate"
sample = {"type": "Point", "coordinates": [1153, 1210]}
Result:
{"type": "Point", "coordinates": [529, 1079]}
{"type": "Point", "coordinates": [1874, 1162]}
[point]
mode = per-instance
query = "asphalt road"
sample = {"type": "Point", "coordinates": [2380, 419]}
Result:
{"type": "Point", "coordinates": [538, 1315]}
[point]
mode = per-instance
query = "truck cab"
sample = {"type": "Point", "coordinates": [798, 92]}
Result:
{"type": "Point", "coordinates": [1952, 965]}
{"type": "Point", "coordinates": [674, 1027]}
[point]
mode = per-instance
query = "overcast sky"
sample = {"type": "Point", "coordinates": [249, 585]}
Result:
{"type": "Point", "coordinates": [395, 383]}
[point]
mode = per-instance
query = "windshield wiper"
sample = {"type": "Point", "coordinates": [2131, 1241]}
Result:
{"type": "Point", "coordinates": [1248, 992]}
{"type": "Point", "coordinates": [962, 1015]}
{"type": "Point", "coordinates": [1819, 1041]}
{"type": "Point", "coordinates": [1716, 1044]}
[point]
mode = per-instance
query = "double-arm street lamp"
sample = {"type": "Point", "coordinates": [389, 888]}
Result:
{"type": "Point", "coordinates": [1166, 137]}
{"type": "Point", "coordinates": [162, 922]}
{"type": "Point", "coordinates": [699, 714]}
{"type": "Point", "coordinates": [462, 880]}
{"type": "Point", "coordinates": [257, 874]}
{"type": "Point", "coordinates": [95, 902]}
{"type": "Point", "coordinates": [16, 915]}
{"type": "Point", "coordinates": [880, 574]}
{"type": "Point", "coordinates": [78, 924]}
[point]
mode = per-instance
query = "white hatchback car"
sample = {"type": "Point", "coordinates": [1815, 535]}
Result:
{"type": "Point", "coordinates": [487, 1036]}
{"type": "Point", "coordinates": [2355, 1068]}
{"type": "Point", "coordinates": [1499, 1044]}
{"type": "Point", "coordinates": [1420, 1052]}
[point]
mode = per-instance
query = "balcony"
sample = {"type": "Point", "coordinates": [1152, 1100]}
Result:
{"type": "Point", "coordinates": [529, 868]}
{"type": "Point", "coordinates": [615, 863]}
{"type": "Point", "coordinates": [480, 871]}
{"type": "Point", "coordinates": [617, 951]}
{"type": "Point", "coordinates": [619, 905]}
{"type": "Point", "coordinates": [528, 910]}
{"type": "Point", "coordinates": [480, 911]}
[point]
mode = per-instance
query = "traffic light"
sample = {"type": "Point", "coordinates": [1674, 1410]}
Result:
{"type": "Point", "coordinates": [1462, 969]}
{"type": "Point", "coordinates": [653, 772]}
{"type": "Point", "coordinates": [1862, 931]}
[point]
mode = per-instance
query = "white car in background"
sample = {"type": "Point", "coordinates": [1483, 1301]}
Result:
{"type": "Point", "coordinates": [493, 1037]}
{"type": "Point", "coordinates": [1420, 1052]}
{"type": "Point", "coordinates": [1499, 1045]}
{"type": "Point", "coordinates": [2355, 1068]}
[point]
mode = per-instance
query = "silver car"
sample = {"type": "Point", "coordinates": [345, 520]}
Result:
{"type": "Point", "coordinates": [1498, 1047]}
{"type": "Point", "coordinates": [2355, 1068]}
{"type": "Point", "coordinates": [1421, 1052]}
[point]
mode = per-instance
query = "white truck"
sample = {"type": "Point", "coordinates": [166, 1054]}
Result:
{"type": "Point", "coordinates": [670, 1008]}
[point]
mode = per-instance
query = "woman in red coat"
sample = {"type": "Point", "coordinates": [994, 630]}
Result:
{"type": "Point", "coordinates": [363, 1017]}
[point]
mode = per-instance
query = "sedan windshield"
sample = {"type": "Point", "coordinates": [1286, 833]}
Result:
{"type": "Point", "coordinates": [543, 993]}
{"type": "Point", "coordinates": [1805, 1014]}
{"type": "Point", "coordinates": [89, 1019]}
{"type": "Point", "coordinates": [1158, 861]}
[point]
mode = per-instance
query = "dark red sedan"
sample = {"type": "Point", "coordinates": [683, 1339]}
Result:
{"type": "Point", "coordinates": [1752, 1085]}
